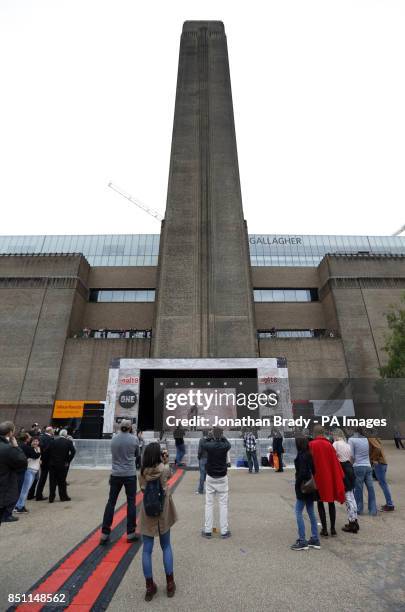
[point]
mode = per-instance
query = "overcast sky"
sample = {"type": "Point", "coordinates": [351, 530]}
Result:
{"type": "Point", "coordinates": [87, 96]}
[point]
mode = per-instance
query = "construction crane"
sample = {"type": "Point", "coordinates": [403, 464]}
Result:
{"type": "Point", "coordinates": [151, 211]}
{"type": "Point", "coordinates": [401, 229]}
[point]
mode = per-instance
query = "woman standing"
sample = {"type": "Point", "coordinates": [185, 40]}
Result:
{"type": "Point", "coordinates": [379, 463]}
{"type": "Point", "coordinates": [155, 473]}
{"type": "Point", "coordinates": [278, 450]}
{"type": "Point", "coordinates": [329, 478]}
{"type": "Point", "coordinates": [344, 454]}
{"type": "Point", "coordinates": [304, 471]}
{"type": "Point", "coordinates": [33, 453]}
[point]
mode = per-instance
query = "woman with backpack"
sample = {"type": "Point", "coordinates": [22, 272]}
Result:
{"type": "Point", "coordinates": [305, 492]}
{"type": "Point", "coordinates": [157, 515]}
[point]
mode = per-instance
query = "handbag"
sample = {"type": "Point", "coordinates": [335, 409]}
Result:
{"type": "Point", "coordinates": [308, 486]}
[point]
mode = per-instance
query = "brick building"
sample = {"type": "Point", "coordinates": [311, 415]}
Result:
{"type": "Point", "coordinates": [203, 288]}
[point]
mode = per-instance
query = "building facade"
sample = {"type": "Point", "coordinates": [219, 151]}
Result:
{"type": "Point", "coordinates": [203, 287]}
{"type": "Point", "coordinates": [66, 316]}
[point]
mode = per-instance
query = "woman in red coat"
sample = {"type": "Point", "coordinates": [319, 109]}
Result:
{"type": "Point", "coordinates": [329, 478]}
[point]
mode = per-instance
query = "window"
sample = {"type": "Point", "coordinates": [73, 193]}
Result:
{"type": "Point", "coordinates": [297, 333]}
{"type": "Point", "coordinates": [286, 295]}
{"type": "Point", "coordinates": [122, 295]}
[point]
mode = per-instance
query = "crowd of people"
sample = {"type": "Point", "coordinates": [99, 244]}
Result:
{"type": "Point", "coordinates": [27, 458]}
{"type": "Point", "coordinates": [328, 469]}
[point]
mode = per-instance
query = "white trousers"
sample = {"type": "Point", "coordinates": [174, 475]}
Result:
{"type": "Point", "coordinates": [218, 487]}
{"type": "Point", "coordinates": [351, 506]}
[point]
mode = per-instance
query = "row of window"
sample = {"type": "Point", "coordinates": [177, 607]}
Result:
{"type": "Point", "coordinates": [285, 295]}
{"type": "Point", "coordinates": [143, 249]}
{"type": "Point", "coordinates": [297, 333]}
{"type": "Point", "coordinates": [122, 295]}
{"type": "Point", "coordinates": [148, 295]}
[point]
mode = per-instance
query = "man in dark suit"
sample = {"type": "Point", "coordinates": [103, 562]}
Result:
{"type": "Point", "coordinates": [45, 440]}
{"type": "Point", "coordinates": [12, 460]}
{"type": "Point", "coordinates": [61, 453]}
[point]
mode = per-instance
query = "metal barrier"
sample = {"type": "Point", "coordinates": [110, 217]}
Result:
{"type": "Point", "coordinates": [96, 454]}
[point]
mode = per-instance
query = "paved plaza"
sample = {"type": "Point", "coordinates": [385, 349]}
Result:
{"type": "Point", "coordinates": [253, 570]}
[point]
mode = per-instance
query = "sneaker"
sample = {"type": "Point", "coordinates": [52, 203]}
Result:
{"type": "Point", "coordinates": [226, 535]}
{"type": "Point", "coordinates": [299, 545]}
{"type": "Point", "coordinates": [387, 508]}
{"type": "Point", "coordinates": [205, 534]}
{"type": "Point", "coordinates": [104, 537]}
{"type": "Point", "coordinates": [314, 543]}
{"type": "Point", "coordinates": [350, 527]}
{"type": "Point", "coordinates": [132, 537]}
{"type": "Point", "coordinates": [21, 510]}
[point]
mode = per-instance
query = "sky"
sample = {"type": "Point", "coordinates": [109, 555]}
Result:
{"type": "Point", "coordinates": [87, 97]}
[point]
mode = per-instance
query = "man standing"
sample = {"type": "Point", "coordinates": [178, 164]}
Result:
{"type": "Point", "coordinates": [45, 440]}
{"type": "Point", "coordinates": [178, 436]}
{"type": "Point", "coordinates": [398, 438]}
{"type": "Point", "coordinates": [249, 442]}
{"type": "Point", "coordinates": [60, 454]}
{"type": "Point", "coordinates": [12, 460]}
{"type": "Point", "coordinates": [362, 468]}
{"type": "Point", "coordinates": [202, 461]}
{"type": "Point", "coordinates": [124, 450]}
{"type": "Point", "coordinates": [217, 482]}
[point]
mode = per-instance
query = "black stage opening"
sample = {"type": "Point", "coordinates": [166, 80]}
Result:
{"type": "Point", "coordinates": [156, 383]}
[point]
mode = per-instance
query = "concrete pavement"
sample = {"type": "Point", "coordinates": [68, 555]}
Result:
{"type": "Point", "coordinates": [253, 570]}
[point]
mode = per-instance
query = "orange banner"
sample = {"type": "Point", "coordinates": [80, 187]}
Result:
{"type": "Point", "coordinates": [68, 409]}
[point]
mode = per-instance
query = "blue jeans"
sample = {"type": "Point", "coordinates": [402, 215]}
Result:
{"type": "Point", "coordinates": [180, 452]}
{"type": "Point", "coordinates": [300, 504]}
{"type": "Point", "coordinates": [147, 554]}
{"type": "Point", "coordinates": [28, 480]}
{"type": "Point", "coordinates": [380, 470]}
{"type": "Point", "coordinates": [364, 475]}
{"type": "Point", "coordinates": [252, 460]}
{"type": "Point", "coordinates": [203, 474]}
{"type": "Point", "coordinates": [116, 484]}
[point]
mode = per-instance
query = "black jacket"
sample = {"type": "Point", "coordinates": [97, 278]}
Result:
{"type": "Point", "coordinates": [12, 460]}
{"type": "Point", "coordinates": [29, 451]}
{"type": "Point", "coordinates": [61, 452]}
{"type": "Point", "coordinates": [216, 456]}
{"type": "Point", "coordinates": [278, 445]}
{"type": "Point", "coordinates": [45, 441]}
{"type": "Point", "coordinates": [304, 469]}
{"type": "Point", "coordinates": [349, 478]}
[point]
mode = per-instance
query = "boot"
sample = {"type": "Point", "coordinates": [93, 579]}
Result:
{"type": "Point", "coordinates": [333, 531]}
{"type": "Point", "coordinates": [357, 525]}
{"type": "Point", "coordinates": [324, 532]}
{"type": "Point", "coordinates": [350, 527]}
{"type": "Point", "coordinates": [171, 585]}
{"type": "Point", "coordinates": [151, 589]}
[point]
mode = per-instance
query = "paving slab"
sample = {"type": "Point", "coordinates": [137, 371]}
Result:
{"type": "Point", "coordinates": [253, 570]}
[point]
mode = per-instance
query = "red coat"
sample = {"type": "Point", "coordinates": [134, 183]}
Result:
{"type": "Point", "coordinates": [329, 474]}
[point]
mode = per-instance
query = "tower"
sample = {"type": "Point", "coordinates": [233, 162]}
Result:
{"type": "Point", "coordinates": [204, 296]}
